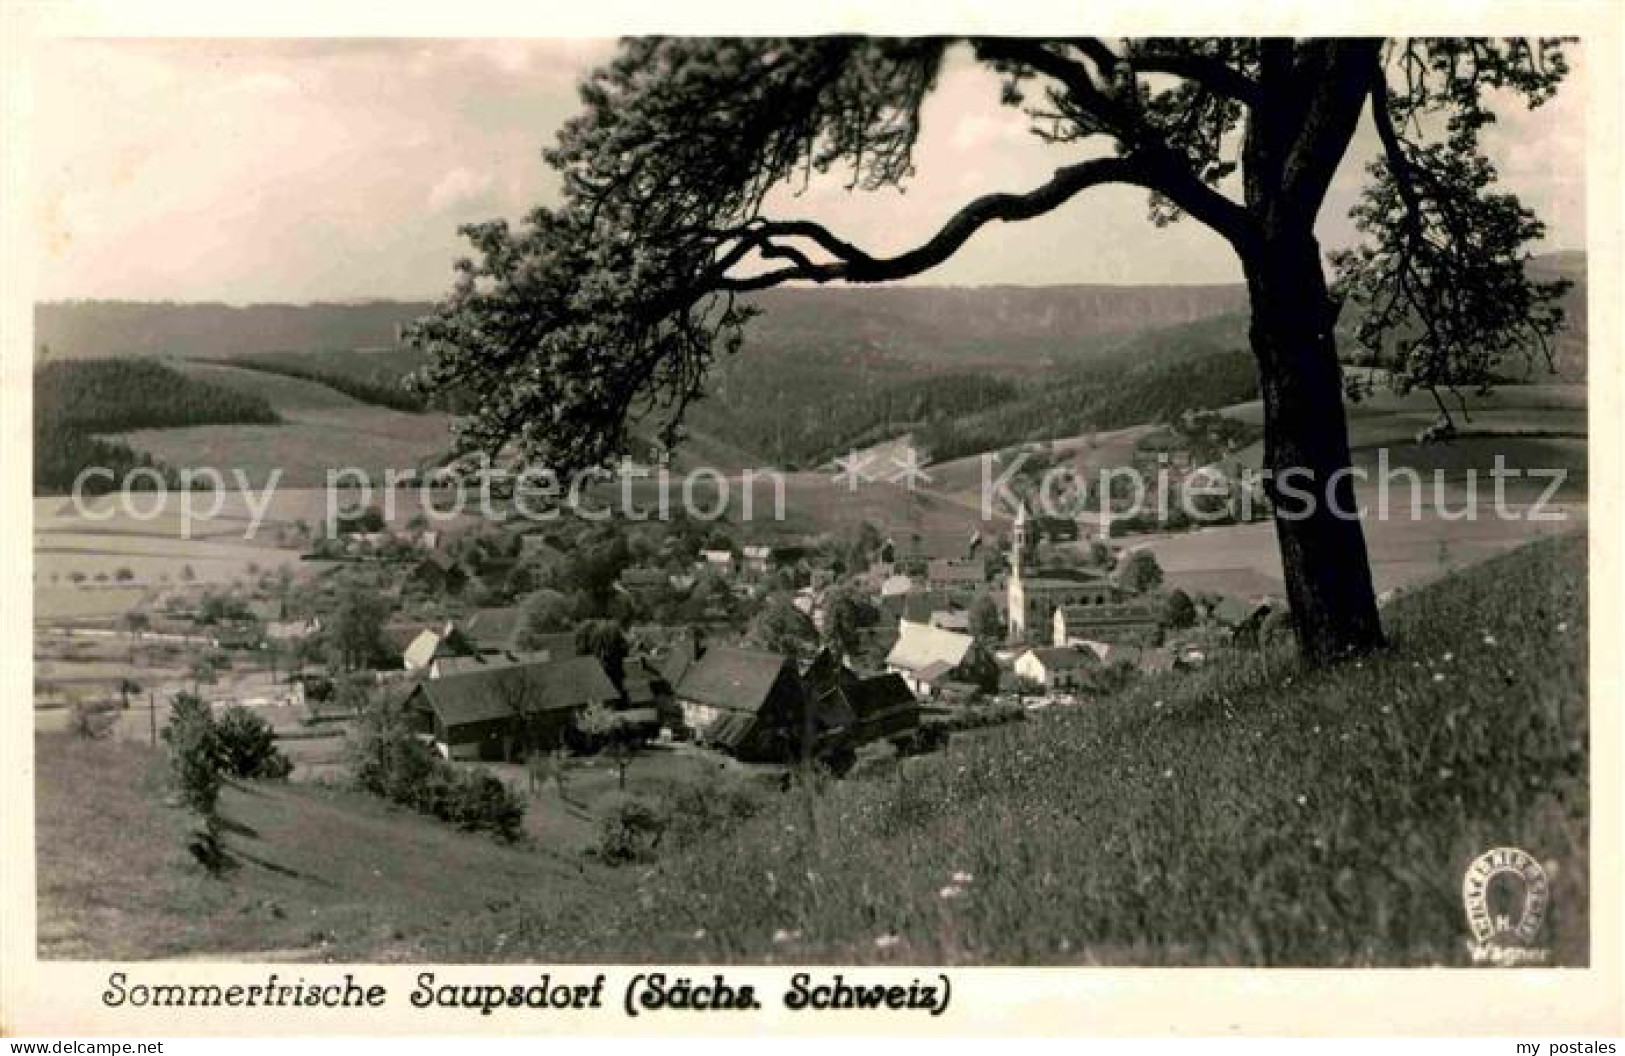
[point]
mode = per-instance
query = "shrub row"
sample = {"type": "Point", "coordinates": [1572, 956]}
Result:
{"type": "Point", "coordinates": [387, 761]}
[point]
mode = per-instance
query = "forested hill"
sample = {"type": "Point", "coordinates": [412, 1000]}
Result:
{"type": "Point", "coordinates": [912, 319]}
{"type": "Point", "coordinates": [1019, 328]}
{"type": "Point", "coordinates": [96, 329]}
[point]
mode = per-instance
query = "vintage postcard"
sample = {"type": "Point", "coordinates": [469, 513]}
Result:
{"type": "Point", "coordinates": [561, 524]}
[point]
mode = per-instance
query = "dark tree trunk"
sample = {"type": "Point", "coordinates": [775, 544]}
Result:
{"type": "Point", "coordinates": [1306, 451]}
{"type": "Point", "coordinates": [1313, 92]}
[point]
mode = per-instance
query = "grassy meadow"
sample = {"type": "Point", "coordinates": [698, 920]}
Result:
{"type": "Point", "coordinates": [317, 873]}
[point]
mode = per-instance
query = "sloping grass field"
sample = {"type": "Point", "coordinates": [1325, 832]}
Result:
{"type": "Point", "coordinates": [1251, 813]}
{"type": "Point", "coordinates": [317, 873]}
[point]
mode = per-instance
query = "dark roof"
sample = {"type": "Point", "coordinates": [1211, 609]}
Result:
{"type": "Point", "coordinates": [880, 694]}
{"type": "Point", "coordinates": [885, 707]}
{"type": "Point", "coordinates": [1053, 578]}
{"type": "Point", "coordinates": [1102, 615]}
{"type": "Point", "coordinates": [645, 577]}
{"type": "Point", "coordinates": [492, 628]}
{"type": "Point", "coordinates": [556, 644]}
{"type": "Point", "coordinates": [495, 691]}
{"type": "Point", "coordinates": [676, 663]}
{"type": "Point", "coordinates": [732, 678]}
{"type": "Point", "coordinates": [731, 728]}
{"type": "Point", "coordinates": [1233, 612]}
{"type": "Point", "coordinates": [948, 570]}
{"type": "Point", "coordinates": [918, 607]}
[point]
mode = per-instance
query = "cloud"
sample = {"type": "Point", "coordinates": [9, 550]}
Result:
{"type": "Point", "coordinates": [459, 188]}
{"type": "Point", "coordinates": [327, 169]}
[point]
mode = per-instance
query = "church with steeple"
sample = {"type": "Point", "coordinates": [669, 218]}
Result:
{"type": "Point", "coordinates": [1034, 592]}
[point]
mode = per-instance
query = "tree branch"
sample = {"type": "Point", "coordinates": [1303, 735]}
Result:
{"type": "Point", "coordinates": [1154, 170]}
{"type": "Point", "coordinates": [1342, 81]}
{"type": "Point", "coordinates": [1081, 89]}
{"type": "Point", "coordinates": [1382, 117]}
{"type": "Point", "coordinates": [1205, 71]}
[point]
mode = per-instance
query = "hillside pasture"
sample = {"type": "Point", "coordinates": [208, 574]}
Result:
{"type": "Point", "coordinates": [150, 559]}
{"type": "Point", "coordinates": [315, 872]}
{"type": "Point", "coordinates": [1404, 552]}
{"type": "Point", "coordinates": [1384, 417]}
{"type": "Point", "coordinates": [280, 391]}
{"type": "Point", "coordinates": [815, 502]}
{"type": "Point", "coordinates": [310, 443]}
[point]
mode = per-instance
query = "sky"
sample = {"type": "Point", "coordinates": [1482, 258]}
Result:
{"type": "Point", "coordinates": [306, 170]}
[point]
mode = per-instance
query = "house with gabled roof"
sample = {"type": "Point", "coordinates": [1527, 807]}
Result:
{"type": "Point", "coordinates": [1056, 668]}
{"type": "Point", "coordinates": [926, 657]}
{"type": "Point", "coordinates": [493, 630]}
{"type": "Point", "coordinates": [505, 709]}
{"type": "Point", "coordinates": [1130, 621]}
{"type": "Point", "coordinates": [882, 706]}
{"type": "Point", "coordinates": [429, 646]}
{"type": "Point", "coordinates": [754, 705]}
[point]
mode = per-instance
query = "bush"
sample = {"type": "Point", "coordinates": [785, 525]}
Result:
{"type": "Point", "coordinates": [975, 717]}
{"type": "Point", "coordinates": [701, 807]}
{"type": "Point", "coordinates": [630, 830]}
{"type": "Point", "coordinates": [91, 722]}
{"type": "Point", "coordinates": [481, 803]}
{"type": "Point", "coordinates": [247, 746]}
{"type": "Point", "coordinates": [194, 758]}
{"type": "Point", "coordinates": [923, 741]}
{"type": "Point", "coordinates": [389, 761]}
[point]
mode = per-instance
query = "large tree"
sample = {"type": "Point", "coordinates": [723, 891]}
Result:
{"type": "Point", "coordinates": [608, 309]}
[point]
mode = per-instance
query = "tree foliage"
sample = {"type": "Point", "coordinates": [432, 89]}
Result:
{"type": "Point", "coordinates": [1140, 572]}
{"type": "Point", "coordinates": [1440, 285]}
{"type": "Point", "coordinates": [607, 311]}
{"type": "Point", "coordinates": [780, 627]}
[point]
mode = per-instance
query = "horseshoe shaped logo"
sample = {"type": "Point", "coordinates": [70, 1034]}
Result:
{"type": "Point", "coordinates": [1494, 925]}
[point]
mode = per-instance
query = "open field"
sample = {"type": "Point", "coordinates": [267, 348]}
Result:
{"type": "Point", "coordinates": [309, 444]}
{"type": "Point", "coordinates": [1384, 417]}
{"type": "Point", "coordinates": [317, 873]}
{"type": "Point", "coordinates": [1403, 552]}
{"type": "Point", "coordinates": [1091, 452]}
{"type": "Point", "coordinates": [280, 391]}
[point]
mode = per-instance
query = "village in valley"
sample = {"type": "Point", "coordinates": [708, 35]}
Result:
{"type": "Point", "coordinates": [533, 648]}
{"type": "Point", "coordinates": [602, 686]}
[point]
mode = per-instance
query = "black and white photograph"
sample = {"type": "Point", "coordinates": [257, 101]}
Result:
{"type": "Point", "coordinates": [848, 502]}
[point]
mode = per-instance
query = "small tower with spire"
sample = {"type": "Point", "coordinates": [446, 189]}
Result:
{"type": "Point", "coordinates": [1015, 593]}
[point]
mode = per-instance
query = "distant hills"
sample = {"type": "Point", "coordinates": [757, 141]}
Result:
{"type": "Point", "coordinates": [96, 329]}
{"type": "Point", "coordinates": [918, 319]}
{"type": "Point", "coordinates": [825, 368]}
{"type": "Point", "coordinates": [1018, 327]}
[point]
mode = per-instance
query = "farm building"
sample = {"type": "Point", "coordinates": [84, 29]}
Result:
{"type": "Point", "coordinates": [721, 560]}
{"type": "Point", "coordinates": [1240, 618]}
{"type": "Point", "coordinates": [504, 709]}
{"type": "Point", "coordinates": [945, 573]}
{"type": "Point", "coordinates": [753, 705]}
{"type": "Point", "coordinates": [428, 646]}
{"type": "Point", "coordinates": [927, 657]}
{"type": "Point", "coordinates": [881, 705]}
{"type": "Point", "coordinates": [1056, 668]}
{"type": "Point", "coordinates": [493, 630]}
{"type": "Point", "coordinates": [1121, 622]}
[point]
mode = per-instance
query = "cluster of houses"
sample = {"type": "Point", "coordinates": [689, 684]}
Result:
{"type": "Point", "coordinates": [486, 687]}
{"type": "Point", "coordinates": [752, 704]}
